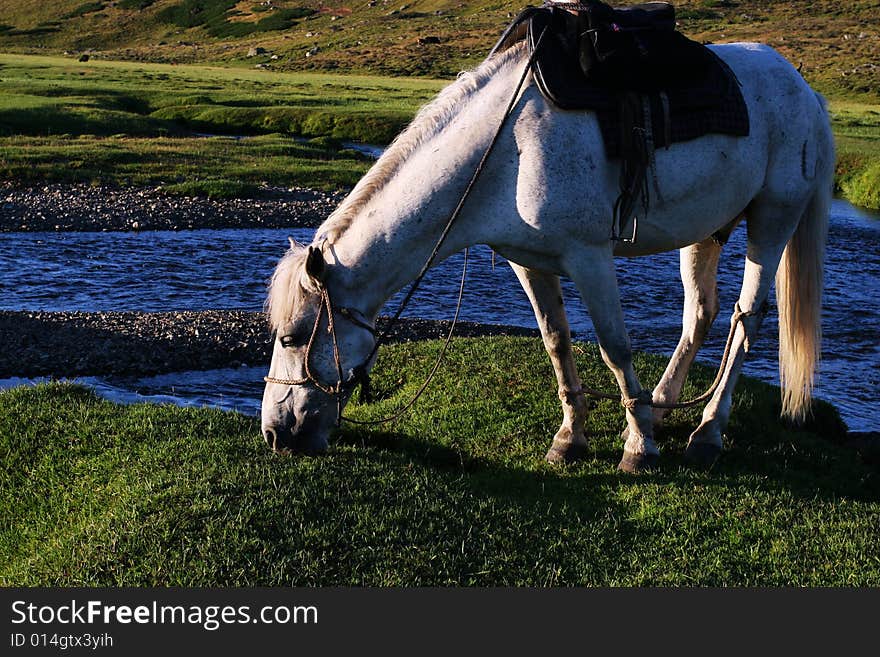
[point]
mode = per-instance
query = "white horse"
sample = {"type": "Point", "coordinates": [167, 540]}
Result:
{"type": "Point", "coordinates": [545, 202]}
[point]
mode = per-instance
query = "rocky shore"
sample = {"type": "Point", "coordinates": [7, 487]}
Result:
{"type": "Point", "coordinates": [81, 207]}
{"type": "Point", "coordinates": [59, 344]}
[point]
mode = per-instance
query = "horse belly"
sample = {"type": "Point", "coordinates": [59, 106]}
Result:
{"type": "Point", "coordinates": [698, 188]}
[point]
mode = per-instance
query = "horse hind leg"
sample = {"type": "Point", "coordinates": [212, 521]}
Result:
{"type": "Point", "coordinates": [699, 277]}
{"type": "Point", "coordinates": [768, 233]}
{"type": "Point", "coordinates": [545, 294]}
{"type": "Point", "coordinates": [699, 274]}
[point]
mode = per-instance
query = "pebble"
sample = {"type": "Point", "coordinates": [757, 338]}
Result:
{"type": "Point", "coordinates": [66, 344]}
{"type": "Point", "coordinates": [82, 207]}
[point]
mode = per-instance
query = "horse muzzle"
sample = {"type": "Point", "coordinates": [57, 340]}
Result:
{"type": "Point", "coordinates": [303, 438]}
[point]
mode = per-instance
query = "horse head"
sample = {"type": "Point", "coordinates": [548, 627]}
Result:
{"type": "Point", "coordinates": [321, 351]}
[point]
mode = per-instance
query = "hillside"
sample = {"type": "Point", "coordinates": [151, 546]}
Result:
{"type": "Point", "coordinates": [836, 43]}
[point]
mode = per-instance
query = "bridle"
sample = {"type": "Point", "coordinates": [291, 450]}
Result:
{"type": "Point", "coordinates": [359, 373]}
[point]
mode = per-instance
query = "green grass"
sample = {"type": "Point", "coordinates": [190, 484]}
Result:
{"type": "Point", "coordinates": [190, 166]}
{"type": "Point", "coordinates": [53, 95]}
{"type": "Point", "coordinates": [127, 123]}
{"type": "Point", "coordinates": [134, 123]}
{"type": "Point", "coordinates": [456, 493]}
{"type": "Point", "coordinates": [857, 133]}
{"type": "Point", "coordinates": [864, 187]}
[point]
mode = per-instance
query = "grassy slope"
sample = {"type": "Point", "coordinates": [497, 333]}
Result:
{"type": "Point", "coordinates": [455, 493]}
{"type": "Point", "coordinates": [836, 42]}
{"type": "Point", "coordinates": [857, 135]}
{"type": "Point", "coordinates": [133, 123]}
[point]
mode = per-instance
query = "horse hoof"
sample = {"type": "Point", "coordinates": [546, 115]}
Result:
{"type": "Point", "coordinates": [702, 455]}
{"type": "Point", "coordinates": [637, 463]}
{"type": "Point", "coordinates": [564, 453]}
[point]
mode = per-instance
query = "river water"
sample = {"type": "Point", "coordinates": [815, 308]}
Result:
{"type": "Point", "coordinates": [228, 269]}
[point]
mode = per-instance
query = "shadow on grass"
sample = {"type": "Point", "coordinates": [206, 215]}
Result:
{"type": "Point", "coordinates": [530, 490]}
{"type": "Point", "coordinates": [760, 451]}
{"type": "Point", "coordinates": [636, 517]}
{"type": "Point", "coordinates": [798, 461]}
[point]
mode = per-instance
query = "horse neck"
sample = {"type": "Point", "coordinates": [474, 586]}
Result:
{"type": "Point", "coordinates": [391, 239]}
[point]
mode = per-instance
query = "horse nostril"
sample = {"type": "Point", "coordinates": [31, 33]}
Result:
{"type": "Point", "coordinates": [286, 441]}
{"type": "Point", "coordinates": [278, 439]}
{"type": "Point", "coordinates": [271, 438]}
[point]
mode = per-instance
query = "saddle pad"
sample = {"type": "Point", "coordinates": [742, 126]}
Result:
{"type": "Point", "coordinates": [698, 91]}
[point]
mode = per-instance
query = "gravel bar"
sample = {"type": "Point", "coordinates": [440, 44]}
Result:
{"type": "Point", "coordinates": [81, 207]}
{"type": "Point", "coordinates": [61, 344]}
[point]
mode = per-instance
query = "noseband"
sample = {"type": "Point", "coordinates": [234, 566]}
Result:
{"type": "Point", "coordinates": [359, 373]}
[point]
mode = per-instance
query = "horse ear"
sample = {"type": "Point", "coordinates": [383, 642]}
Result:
{"type": "Point", "coordinates": [294, 245]}
{"type": "Point", "coordinates": [315, 265]}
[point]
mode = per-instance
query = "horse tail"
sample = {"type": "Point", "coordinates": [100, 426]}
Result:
{"type": "Point", "coordinates": [799, 282]}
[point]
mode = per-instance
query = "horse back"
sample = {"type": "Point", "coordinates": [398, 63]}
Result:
{"type": "Point", "coordinates": [695, 187]}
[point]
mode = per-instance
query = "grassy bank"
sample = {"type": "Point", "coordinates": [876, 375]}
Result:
{"type": "Point", "coordinates": [455, 493]}
{"type": "Point", "coordinates": [857, 134]}
{"type": "Point", "coordinates": [130, 123]}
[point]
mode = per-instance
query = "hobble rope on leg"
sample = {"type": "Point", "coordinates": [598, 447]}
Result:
{"type": "Point", "coordinates": [643, 398]}
{"type": "Point", "coordinates": [751, 321]}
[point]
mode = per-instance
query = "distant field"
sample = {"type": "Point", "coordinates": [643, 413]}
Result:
{"type": "Point", "coordinates": [455, 493]}
{"type": "Point", "coordinates": [145, 124]}
{"type": "Point", "coordinates": [45, 95]}
{"type": "Point", "coordinates": [135, 123]}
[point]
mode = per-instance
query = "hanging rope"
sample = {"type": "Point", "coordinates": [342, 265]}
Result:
{"type": "Point", "coordinates": [360, 372]}
{"type": "Point", "coordinates": [644, 398]}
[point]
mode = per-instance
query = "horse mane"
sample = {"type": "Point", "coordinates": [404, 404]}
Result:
{"type": "Point", "coordinates": [429, 120]}
{"type": "Point", "coordinates": [286, 292]}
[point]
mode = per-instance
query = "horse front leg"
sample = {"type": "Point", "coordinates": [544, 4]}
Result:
{"type": "Point", "coordinates": [594, 274]}
{"type": "Point", "coordinates": [545, 294]}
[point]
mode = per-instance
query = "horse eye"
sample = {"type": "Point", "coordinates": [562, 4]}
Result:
{"type": "Point", "coordinates": [294, 339]}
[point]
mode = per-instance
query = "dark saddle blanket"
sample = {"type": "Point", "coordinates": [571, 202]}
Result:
{"type": "Point", "coordinates": [621, 63]}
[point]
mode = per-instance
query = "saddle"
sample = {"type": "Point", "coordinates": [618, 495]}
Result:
{"type": "Point", "coordinates": [648, 84]}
